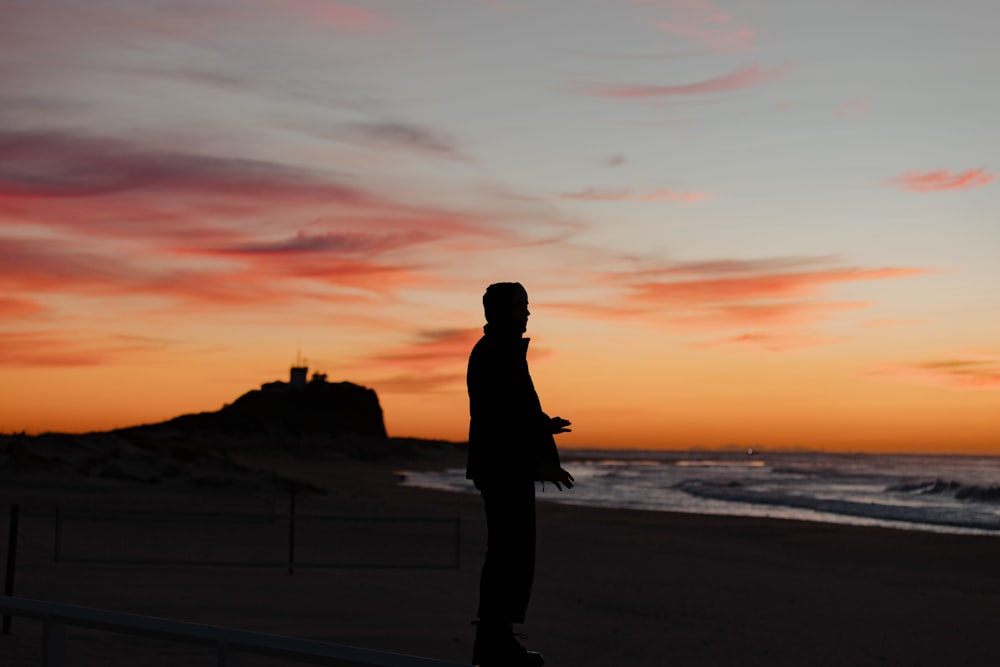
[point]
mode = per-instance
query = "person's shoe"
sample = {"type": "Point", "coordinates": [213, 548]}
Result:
{"type": "Point", "coordinates": [525, 658]}
{"type": "Point", "coordinates": [497, 646]}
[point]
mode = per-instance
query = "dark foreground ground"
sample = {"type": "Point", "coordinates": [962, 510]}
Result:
{"type": "Point", "coordinates": [613, 587]}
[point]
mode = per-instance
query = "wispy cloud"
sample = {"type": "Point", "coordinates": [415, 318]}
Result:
{"type": "Point", "coordinates": [58, 267]}
{"type": "Point", "coordinates": [143, 192]}
{"type": "Point", "coordinates": [624, 194]}
{"type": "Point", "coordinates": [112, 216]}
{"type": "Point", "coordinates": [769, 303]}
{"type": "Point", "coordinates": [35, 164]}
{"type": "Point", "coordinates": [419, 383]}
{"type": "Point", "coordinates": [854, 107]}
{"type": "Point", "coordinates": [744, 78]}
{"type": "Point", "coordinates": [303, 243]}
{"type": "Point", "coordinates": [677, 286]}
{"type": "Point", "coordinates": [13, 308]}
{"type": "Point", "coordinates": [704, 22]}
{"type": "Point", "coordinates": [99, 23]}
{"type": "Point", "coordinates": [338, 15]}
{"type": "Point", "coordinates": [277, 280]}
{"type": "Point", "coordinates": [433, 360]}
{"type": "Point", "coordinates": [881, 324]}
{"type": "Point", "coordinates": [773, 342]}
{"type": "Point", "coordinates": [55, 349]}
{"type": "Point", "coordinates": [432, 349]}
{"type": "Point", "coordinates": [409, 137]}
{"type": "Point", "coordinates": [962, 372]}
{"type": "Point", "coordinates": [942, 179]}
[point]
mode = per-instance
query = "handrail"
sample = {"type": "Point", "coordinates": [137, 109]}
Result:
{"type": "Point", "coordinates": [227, 641]}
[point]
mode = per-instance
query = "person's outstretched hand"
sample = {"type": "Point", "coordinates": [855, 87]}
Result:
{"type": "Point", "coordinates": [559, 425]}
{"type": "Point", "coordinates": [556, 475]}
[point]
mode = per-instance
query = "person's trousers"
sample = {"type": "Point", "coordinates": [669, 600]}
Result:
{"type": "Point", "coordinates": [509, 567]}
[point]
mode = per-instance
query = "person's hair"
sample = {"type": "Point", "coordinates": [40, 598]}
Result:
{"type": "Point", "coordinates": [499, 299]}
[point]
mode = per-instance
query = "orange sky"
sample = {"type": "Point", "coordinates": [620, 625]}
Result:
{"type": "Point", "coordinates": [735, 226]}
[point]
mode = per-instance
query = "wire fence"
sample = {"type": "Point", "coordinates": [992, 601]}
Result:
{"type": "Point", "coordinates": [256, 540]}
{"type": "Point", "coordinates": [289, 539]}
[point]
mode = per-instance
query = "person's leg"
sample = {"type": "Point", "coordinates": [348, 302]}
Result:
{"type": "Point", "coordinates": [508, 573]}
{"type": "Point", "coordinates": [509, 567]}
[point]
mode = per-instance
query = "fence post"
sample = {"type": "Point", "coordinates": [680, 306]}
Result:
{"type": "Point", "coordinates": [8, 586]}
{"type": "Point", "coordinates": [57, 535]}
{"type": "Point", "coordinates": [291, 532]}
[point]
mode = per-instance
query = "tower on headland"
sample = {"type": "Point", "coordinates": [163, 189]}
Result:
{"type": "Point", "coordinates": [299, 372]}
{"type": "Point", "coordinates": [298, 376]}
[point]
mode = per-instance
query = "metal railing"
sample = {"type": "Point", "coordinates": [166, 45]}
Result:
{"type": "Point", "coordinates": [228, 643]}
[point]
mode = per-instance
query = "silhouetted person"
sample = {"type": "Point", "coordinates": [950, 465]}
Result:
{"type": "Point", "coordinates": [510, 447]}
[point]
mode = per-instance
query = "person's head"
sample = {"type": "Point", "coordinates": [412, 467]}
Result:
{"type": "Point", "coordinates": [506, 306]}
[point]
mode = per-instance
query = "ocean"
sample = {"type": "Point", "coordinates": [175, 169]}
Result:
{"type": "Point", "coordinates": [954, 494]}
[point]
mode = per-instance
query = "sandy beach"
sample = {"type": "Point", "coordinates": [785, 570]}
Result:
{"type": "Point", "coordinates": [612, 587]}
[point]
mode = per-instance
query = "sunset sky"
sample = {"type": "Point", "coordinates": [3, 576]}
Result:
{"type": "Point", "coordinates": [756, 223]}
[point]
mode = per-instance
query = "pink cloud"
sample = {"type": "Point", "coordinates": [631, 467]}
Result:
{"type": "Point", "coordinates": [695, 317]}
{"type": "Point", "coordinates": [654, 195]}
{"type": "Point", "coordinates": [55, 349]}
{"type": "Point", "coordinates": [419, 383]}
{"type": "Point", "coordinates": [965, 372]}
{"type": "Point", "coordinates": [56, 268]}
{"type": "Point", "coordinates": [745, 78]}
{"type": "Point", "coordinates": [339, 15]}
{"type": "Point", "coordinates": [121, 190]}
{"type": "Point", "coordinates": [144, 233]}
{"type": "Point", "coordinates": [931, 181]}
{"type": "Point", "coordinates": [771, 304]}
{"type": "Point", "coordinates": [433, 348]}
{"type": "Point", "coordinates": [62, 165]}
{"type": "Point", "coordinates": [742, 315]}
{"type": "Point", "coordinates": [210, 229]}
{"type": "Point", "coordinates": [711, 35]}
{"type": "Point", "coordinates": [434, 360]}
{"type": "Point", "coordinates": [704, 22]}
{"type": "Point", "coordinates": [49, 267]}
{"type": "Point", "coordinates": [12, 308]}
{"type": "Point", "coordinates": [768, 285]}
{"type": "Point", "coordinates": [774, 342]}
{"type": "Point", "coordinates": [89, 23]}
{"type": "Point", "coordinates": [303, 243]}
{"type": "Point", "coordinates": [854, 107]}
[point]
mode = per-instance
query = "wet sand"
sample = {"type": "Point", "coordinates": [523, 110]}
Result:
{"type": "Point", "coordinates": [612, 587]}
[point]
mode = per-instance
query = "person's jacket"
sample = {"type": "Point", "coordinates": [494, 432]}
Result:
{"type": "Point", "coordinates": [509, 435]}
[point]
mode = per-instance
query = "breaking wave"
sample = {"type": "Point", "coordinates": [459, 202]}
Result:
{"type": "Point", "coordinates": [888, 511]}
{"type": "Point", "coordinates": [957, 490]}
